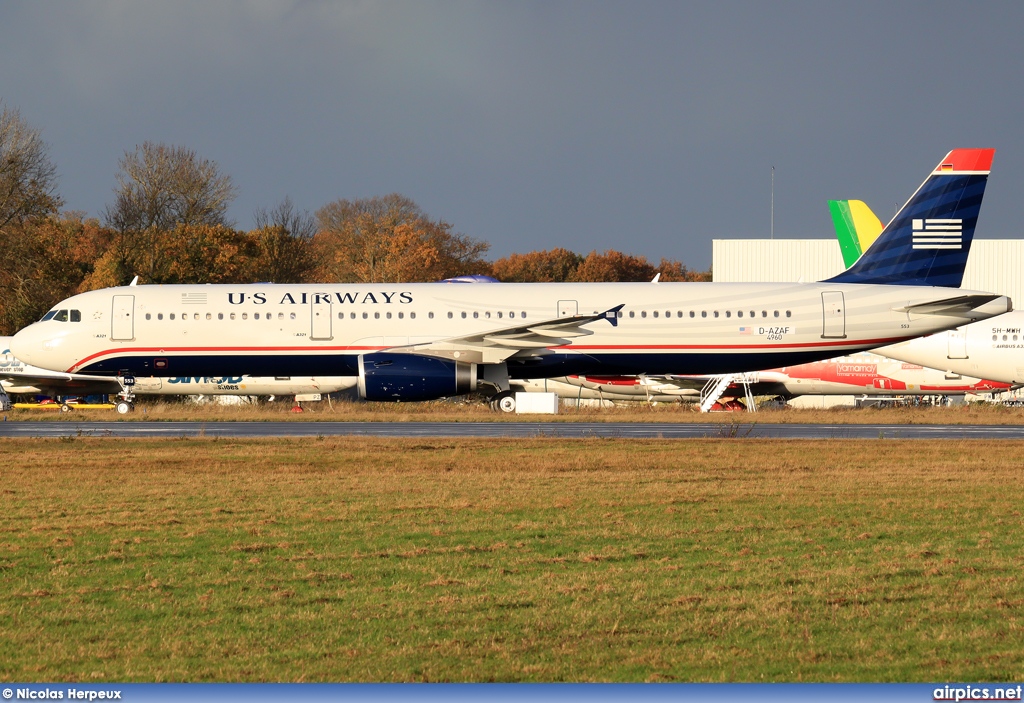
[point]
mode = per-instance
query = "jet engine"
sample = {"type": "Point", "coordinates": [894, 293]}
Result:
{"type": "Point", "coordinates": [407, 377]}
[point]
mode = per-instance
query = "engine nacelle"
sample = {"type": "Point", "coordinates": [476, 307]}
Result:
{"type": "Point", "coordinates": [401, 377]}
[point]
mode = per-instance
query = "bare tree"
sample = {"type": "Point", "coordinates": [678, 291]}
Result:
{"type": "Point", "coordinates": [300, 225]}
{"type": "Point", "coordinates": [160, 188]}
{"type": "Point", "coordinates": [284, 244]}
{"type": "Point", "coordinates": [28, 179]}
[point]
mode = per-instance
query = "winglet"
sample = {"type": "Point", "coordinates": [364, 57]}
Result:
{"type": "Point", "coordinates": [612, 315]}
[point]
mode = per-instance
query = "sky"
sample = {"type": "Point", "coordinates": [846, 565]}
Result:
{"type": "Point", "coordinates": [647, 127]}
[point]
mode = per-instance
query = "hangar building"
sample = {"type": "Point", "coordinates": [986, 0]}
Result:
{"type": "Point", "coordinates": [995, 265]}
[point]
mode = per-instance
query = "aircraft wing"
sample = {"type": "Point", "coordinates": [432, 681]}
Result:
{"type": "Point", "coordinates": [498, 345]}
{"type": "Point", "coordinates": [68, 381]}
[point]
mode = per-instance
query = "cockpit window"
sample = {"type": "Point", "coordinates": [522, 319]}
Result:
{"type": "Point", "coordinates": [76, 315]}
{"type": "Point", "coordinates": [48, 315]}
{"type": "Point", "coordinates": [61, 316]}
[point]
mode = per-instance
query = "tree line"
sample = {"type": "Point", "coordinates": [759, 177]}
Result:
{"type": "Point", "coordinates": [167, 223]}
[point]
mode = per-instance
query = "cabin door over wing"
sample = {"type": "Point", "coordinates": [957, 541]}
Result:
{"type": "Point", "coordinates": [957, 344]}
{"type": "Point", "coordinates": [320, 314]}
{"type": "Point", "coordinates": [122, 324]}
{"type": "Point", "coordinates": [568, 308]}
{"type": "Point", "coordinates": [833, 311]}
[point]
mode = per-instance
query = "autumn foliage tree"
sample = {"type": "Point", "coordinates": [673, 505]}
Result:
{"type": "Point", "coordinates": [390, 239]}
{"type": "Point", "coordinates": [551, 266]}
{"type": "Point", "coordinates": [46, 261]}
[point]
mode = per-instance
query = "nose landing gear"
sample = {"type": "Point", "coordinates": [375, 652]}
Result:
{"type": "Point", "coordinates": [126, 404]}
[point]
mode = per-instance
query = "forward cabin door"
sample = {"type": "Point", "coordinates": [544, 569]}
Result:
{"type": "Point", "coordinates": [957, 344]}
{"type": "Point", "coordinates": [122, 326]}
{"type": "Point", "coordinates": [833, 312]}
{"type": "Point", "coordinates": [320, 314]}
{"type": "Point", "coordinates": [568, 308]}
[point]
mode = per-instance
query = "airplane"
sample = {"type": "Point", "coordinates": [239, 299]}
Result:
{"type": "Point", "coordinates": [408, 342]}
{"type": "Point", "coordinates": [864, 373]}
{"type": "Point", "coordinates": [19, 378]}
{"type": "Point", "coordinates": [992, 349]}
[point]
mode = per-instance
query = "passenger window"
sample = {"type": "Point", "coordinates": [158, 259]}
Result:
{"type": "Point", "coordinates": [366, 316]}
{"type": "Point", "coordinates": [655, 313]}
{"type": "Point", "coordinates": [195, 316]}
{"type": "Point", "coordinates": [401, 315]}
{"type": "Point", "coordinates": [280, 316]}
{"type": "Point", "coordinates": [703, 313]}
{"type": "Point", "coordinates": [764, 313]}
{"type": "Point", "coordinates": [245, 316]}
{"type": "Point", "coordinates": [643, 313]}
{"type": "Point", "coordinates": [739, 313]}
{"type": "Point", "coordinates": [789, 314]}
{"type": "Point", "coordinates": [488, 314]}
{"type": "Point", "coordinates": [463, 315]}
{"type": "Point", "coordinates": [255, 316]}
{"type": "Point", "coordinates": [776, 313]}
{"type": "Point", "coordinates": [76, 316]}
{"type": "Point", "coordinates": [61, 316]}
{"type": "Point", "coordinates": [523, 314]}
{"type": "Point", "coordinates": [376, 316]}
{"type": "Point", "coordinates": [292, 315]}
{"type": "Point", "coordinates": [632, 314]}
{"type": "Point", "coordinates": [209, 316]}
{"type": "Point", "coordinates": [159, 316]}
{"type": "Point", "coordinates": [388, 315]}
{"type": "Point", "coordinates": [171, 316]}
{"type": "Point", "coordinates": [716, 313]}
{"type": "Point", "coordinates": [693, 314]}
{"type": "Point", "coordinates": [147, 315]}
{"type": "Point", "coordinates": [412, 316]}
{"type": "Point", "coordinates": [220, 316]}
{"type": "Point", "coordinates": [450, 315]}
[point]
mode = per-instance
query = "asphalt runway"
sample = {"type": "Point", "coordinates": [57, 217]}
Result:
{"type": "Point", "coordinates": [634, 430]}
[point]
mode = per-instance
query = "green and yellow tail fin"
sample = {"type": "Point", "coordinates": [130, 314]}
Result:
{"type": "Point", "coordinates": [856, 227]}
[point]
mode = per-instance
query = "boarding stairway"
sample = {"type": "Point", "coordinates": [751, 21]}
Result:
{"type": "Point", "coordinates": [716, 387]}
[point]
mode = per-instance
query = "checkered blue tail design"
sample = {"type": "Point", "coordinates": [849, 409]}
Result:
{"type": "Point", "coordinates": [927, 243]}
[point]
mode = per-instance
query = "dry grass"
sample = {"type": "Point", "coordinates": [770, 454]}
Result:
{"type": "Point", "coordinates": [478, 411]}
{"type": "Point", "coordinates": [400, 560]}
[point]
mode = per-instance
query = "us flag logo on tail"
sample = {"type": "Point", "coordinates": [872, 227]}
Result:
{"type": "Point", "coordinates": [938, 234]}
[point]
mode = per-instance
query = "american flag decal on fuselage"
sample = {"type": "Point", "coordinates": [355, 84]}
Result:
{"type": "Point", "coordinates": [938, 234]}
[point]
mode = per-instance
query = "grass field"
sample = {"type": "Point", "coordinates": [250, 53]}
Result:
{"type": "Point", "coordinates": [539, 560]}
{"type": "Point", "coordinates": [155, 410]}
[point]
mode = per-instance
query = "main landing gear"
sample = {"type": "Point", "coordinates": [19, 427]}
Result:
{"type": "Point", "coordinates": [126, 404]}
{"type": "Point", "coordinates": [504, 402]}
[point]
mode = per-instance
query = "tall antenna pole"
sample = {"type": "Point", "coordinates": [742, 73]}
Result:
{"type": "Point", "coordinates": [773, 202]}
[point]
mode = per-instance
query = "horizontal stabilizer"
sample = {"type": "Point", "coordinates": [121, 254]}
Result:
{"type": "Point", "coordinates": [962, 306]}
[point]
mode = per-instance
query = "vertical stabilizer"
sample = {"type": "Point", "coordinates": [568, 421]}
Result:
{"type": "Point", "coordinates": [928, 241]}
{"type": "Point", "coordinates": [857, 228]}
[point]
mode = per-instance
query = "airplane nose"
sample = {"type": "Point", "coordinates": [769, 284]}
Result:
{"type": "Point", "coordinates": [26, 345]}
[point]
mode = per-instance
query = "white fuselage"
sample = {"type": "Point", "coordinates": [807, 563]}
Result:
{"type": "Point", "coordinates": [270, 330]}
{"type": "Point", "coordinates": [992, 349]}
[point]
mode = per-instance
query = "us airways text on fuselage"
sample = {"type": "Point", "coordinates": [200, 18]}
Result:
{"type": "Point", "coordinates": [356, 298]}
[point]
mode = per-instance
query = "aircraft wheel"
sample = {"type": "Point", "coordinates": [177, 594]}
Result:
{"type": "Point", "coordinates": [505, 402]}
{"type": "Point", "coordinates": [124, 407]}
{"type": "Point", "coordinates": [65, 408]}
